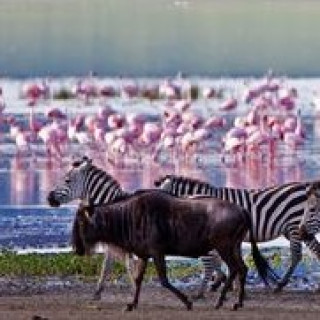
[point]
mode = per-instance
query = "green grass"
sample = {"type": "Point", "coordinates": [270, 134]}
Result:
{"type": "Point", "coordinates": [68, 264]}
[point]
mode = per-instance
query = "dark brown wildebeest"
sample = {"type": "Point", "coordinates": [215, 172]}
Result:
{"type": "Point", "coordinates": [153, 224]}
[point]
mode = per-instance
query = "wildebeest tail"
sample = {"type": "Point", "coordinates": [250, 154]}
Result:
{"type": "Point", "coordinates": [263, 267]}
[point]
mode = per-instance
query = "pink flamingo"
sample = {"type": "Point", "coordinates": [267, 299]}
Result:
{"type": "Point", "coordinates": [86, 90]}
{"type": "Point", "coordinates": [51, 140]}
{"type": "Point", "coordinates": [229, 104]}
{"type": "Point", "coordinates": [129, 90]}
{"type": "Point", "coordinates": [116, 121]}
{"type": "Point", "coordinates": [169, 90]}
{"type": "Point", "coordinates": [215, 122]}
{"type": "Point", "coordinates": [208, 93]}
{"type": "Point", "coordinates": [107, 91]}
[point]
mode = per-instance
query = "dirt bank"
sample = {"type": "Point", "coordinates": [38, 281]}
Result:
{"type": "Point", "coordinates": [69, 299]}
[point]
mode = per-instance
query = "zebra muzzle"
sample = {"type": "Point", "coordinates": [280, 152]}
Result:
{"type": "Point", "coordinates": [52, 200]}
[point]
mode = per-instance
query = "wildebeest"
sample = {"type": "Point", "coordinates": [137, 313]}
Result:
{"type": "Point", "coordinates": [153, 224]}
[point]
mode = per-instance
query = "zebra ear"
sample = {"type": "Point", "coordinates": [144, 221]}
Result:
{"type": "Point", "coordinates": [85, 162]}
{"type": "Point", "coordinates": [86, 159]}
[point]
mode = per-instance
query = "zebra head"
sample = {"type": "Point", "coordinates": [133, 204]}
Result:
{"type": "Point", "coordinates": [73, 184]}
{"type": "Point", "coordinates": [310, 223]}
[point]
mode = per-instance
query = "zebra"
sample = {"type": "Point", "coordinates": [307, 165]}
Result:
{"type": "Point", "coordinates": [275, 211]}
{"type": "Point", "coordinates": [310, 223]}
{"type": "Point", "coordinates": [92, 186]}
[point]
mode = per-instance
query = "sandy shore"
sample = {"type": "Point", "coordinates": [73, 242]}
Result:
{"type": "Point", "coordinates": [71, 299]}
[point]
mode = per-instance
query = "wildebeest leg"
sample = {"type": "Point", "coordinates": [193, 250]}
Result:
{"type": "Point", "coordinates": [231, 261]}
{"type": "Point", "coordinates": [242, 274]}
{"type": "Point", "coordinates": [105, 270]}
{"type": "Point", "coordinates": [141, 266]}
{"type": "Point", "coordinates": [161, 268]}
{"type": "Point", "coordinates": [296, 255]}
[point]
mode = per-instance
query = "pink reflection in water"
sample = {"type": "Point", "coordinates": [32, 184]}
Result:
{"type": "Point", "coordinates": [22, 182]}
{"type": "Point", "coordinates": [30, 181]}
{"type": "Point", "coordinates": [256, 175]}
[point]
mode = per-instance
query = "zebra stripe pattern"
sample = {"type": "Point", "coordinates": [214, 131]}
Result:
{"type": "Point", "coordinates": [275, 211]}
{"type": "Point", "coordinates": [310, 223]}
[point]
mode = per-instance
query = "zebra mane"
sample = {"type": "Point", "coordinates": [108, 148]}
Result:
{"type": "Point", "coordinates": [180, 179]}
{"type": "Point", "coordinates": [77, 163]}
{"type": "Point", "coordinates": [105, 173]}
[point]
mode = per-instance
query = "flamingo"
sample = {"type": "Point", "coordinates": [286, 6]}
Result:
{"type": "Point", "coordinates": [229, 104]}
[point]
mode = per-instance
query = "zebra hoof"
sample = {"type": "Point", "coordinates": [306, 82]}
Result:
{"type": "Point", "coordinates": [218, 305]}
{"type": "Point", "coordinates": [198, 296]}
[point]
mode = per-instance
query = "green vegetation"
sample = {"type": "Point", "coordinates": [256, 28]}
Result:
{"type": "Point", "coordinates": [194, 92]}
{"type": "Point", "coordinates": [63, 94]}
{"type": "Point", "coordinates": [68, 264]}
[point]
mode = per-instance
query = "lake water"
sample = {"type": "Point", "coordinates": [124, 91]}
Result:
{"type": "Point", "coordinates": [159, 37]}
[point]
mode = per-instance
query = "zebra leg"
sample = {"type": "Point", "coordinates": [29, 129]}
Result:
{"type": "Point", "coordinates": [313, 245]}
{"type": "Point", "coordinates": [296, 255]}
{"type": "Point", "coordinates": [131, 267]}
{"type": "Point", "coordinates": [220, 276]}
{"type": "Point", "coordinates": [211, 263]}
{"type": "Point", "coordinates": [105, 270]}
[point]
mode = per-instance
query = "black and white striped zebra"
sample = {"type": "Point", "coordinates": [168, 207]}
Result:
{"type": "Point", "coordinates": [92, 185]}
{"type": "Point", "coordinates": [275, 211]}
{"type": "Point", "coordinates": [310, 223]}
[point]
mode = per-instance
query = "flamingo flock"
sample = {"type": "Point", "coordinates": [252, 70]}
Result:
{"type": "Point", "coordinates": [183, 127]}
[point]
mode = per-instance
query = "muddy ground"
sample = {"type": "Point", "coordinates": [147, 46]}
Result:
{"type": "Point", "coordinates": [69, 299]}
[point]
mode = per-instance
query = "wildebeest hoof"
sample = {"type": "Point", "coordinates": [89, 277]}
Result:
{"type": "Point", "coordinates": [236, 306]}
{"type": "Point", "coordinates": [129, 307]}
{"type": "Point", "coordinates": [189, 305]}
{"type": "Point", "coordinates": [96, 296]}
{"type": "Point", "coordinates": [218, 305]}
{"type": "Point", "coordinates": [278, 288]}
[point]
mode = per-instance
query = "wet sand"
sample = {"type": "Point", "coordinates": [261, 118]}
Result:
{"type": "Point", "coordinates": [72, 300]}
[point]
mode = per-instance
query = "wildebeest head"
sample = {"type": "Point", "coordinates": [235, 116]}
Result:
{"type": "Point", "coordinates": [83, 233]}
{"type": "Point", "coordinates": [73, 184]}
{"type": "Point", "coordinates": [311, 217]}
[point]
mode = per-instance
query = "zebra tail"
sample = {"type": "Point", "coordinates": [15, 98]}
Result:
{"type": "Point", "coordinates": [263, 267]}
